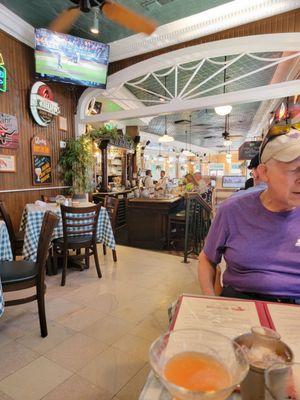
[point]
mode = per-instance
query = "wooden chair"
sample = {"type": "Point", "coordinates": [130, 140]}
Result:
{"type": "Point", "coordinates": [48, 199]}
{"type": "Point", "coordinates": [79, 232]}
{"type": "Point", "coordinates": [16, 238]}
{"type": "Point", "coordinates": [19, 275]}
{"type": "Point", "coordinates": [81, 198]}
{"type": "Point", "coordinates": [112, 205]}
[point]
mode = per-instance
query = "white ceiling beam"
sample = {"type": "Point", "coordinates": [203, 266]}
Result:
{"type": "Point", "coordinates": [262, 93]}
{"type": "Point", "coordinates": [220, 48]}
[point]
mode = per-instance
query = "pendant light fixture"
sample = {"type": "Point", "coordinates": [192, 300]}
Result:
{"type": "Point", "coordinates": [224, 110]}
{"type": "Point", "coordinates": [166, 138]}
{"type": "Point", "coordinates": [95, 27]}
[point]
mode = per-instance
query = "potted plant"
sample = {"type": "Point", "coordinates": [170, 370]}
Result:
{"type": "Point", "coordinates": [76, 164]}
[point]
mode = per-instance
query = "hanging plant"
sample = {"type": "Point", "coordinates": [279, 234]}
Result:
{"type": "Point", "coordinates": [111, 133]}
{"type": "Point", "coordinates": [76, 164]}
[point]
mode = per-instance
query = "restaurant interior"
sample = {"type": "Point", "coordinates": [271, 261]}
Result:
{"type": "Point", "coordinates": [124, 127]}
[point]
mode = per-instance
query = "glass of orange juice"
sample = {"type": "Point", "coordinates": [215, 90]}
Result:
{"type": "Point", "coordinates": [196, 364]}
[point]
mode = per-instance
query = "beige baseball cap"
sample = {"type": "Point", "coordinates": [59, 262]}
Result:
{"type": "Point", "coordinates": [285, 147]}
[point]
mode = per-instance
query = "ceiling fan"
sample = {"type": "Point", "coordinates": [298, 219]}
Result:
{"type": "Point", "coordinates": [115, 12]}
{"type": "Point", "coordinates": [226, 135]}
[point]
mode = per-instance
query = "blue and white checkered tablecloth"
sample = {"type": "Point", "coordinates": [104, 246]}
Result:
{"type": "Point", "coordinates": [5, 255]}
{"type": "Point", "coordinates": [31, 223]}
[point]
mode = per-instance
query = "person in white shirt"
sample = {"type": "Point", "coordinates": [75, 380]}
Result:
{"type": "Point", "coordinates": [162, 182]}
{"type": "Point", "coordinates": [202, 188]}
{"type": "Point", "coordinates": [148, 181]}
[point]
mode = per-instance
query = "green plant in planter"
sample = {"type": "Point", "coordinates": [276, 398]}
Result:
{"type": "Point", "coordinates": [104, 132]}
{"type": "Point", "coordinates": [76, 164]}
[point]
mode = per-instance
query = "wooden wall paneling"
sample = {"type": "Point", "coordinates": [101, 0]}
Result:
{"type": "Point", "coordinates": [286, 22]}
{"type": "Point", "coordinates": [19, 62]}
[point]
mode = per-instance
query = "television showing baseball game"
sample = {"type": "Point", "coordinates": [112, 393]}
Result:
{"type": "Point", "coordinates": [69, 59]}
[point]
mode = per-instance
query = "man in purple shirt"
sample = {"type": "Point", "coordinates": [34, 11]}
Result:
{"type": "Point", "coordinates": [258, 234]}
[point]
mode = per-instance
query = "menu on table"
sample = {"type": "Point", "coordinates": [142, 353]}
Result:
{"type": "Point", "coordinates": [285, 319]}
{"type": "Point", "coordinates": [233, 317]}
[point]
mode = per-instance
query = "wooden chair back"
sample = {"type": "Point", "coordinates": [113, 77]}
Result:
{"type": "Point", "coordinates": [50, 221]}
{"type": "Point", "coordinates": [80, 221]}
{"type": "Point", "coordinates": [6, 217]}
{"type": "Point", "coordinates": [79, 197]}
{"type": "Point", "coordinates": [112, 205]}
{"type": "Point", "coordinates": [48, 199]}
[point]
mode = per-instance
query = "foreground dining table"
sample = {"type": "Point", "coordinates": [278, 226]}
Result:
{"type": "Point", "coordinates": [5, 255]}
{"type": "Point", "coordinates": [31, 223]}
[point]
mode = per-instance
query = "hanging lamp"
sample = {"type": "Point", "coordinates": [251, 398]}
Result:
{"type": "Point", "coordinates": [166, 138]}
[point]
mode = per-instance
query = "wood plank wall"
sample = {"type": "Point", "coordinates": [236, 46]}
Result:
{"type": "Point", "coordinates": [19, 61]}
{"type": "Point", "coordinates": [287, 22]}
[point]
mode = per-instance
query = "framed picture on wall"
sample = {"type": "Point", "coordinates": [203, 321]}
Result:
{"type": "Point", "coordinates": [7, 163]}
{"type": "Point", "coordinates": [62, 123]}
{"type": "Point", "coordinates": [41, 160]}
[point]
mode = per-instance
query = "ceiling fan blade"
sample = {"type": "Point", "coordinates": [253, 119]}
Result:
{"type": "Point", "coordinates": [129, 19]}
{"type": "Point", "coordinates": [63, 23]}
{"type": "Point", "coordinates": [236, 136]}
{"type": "Point", "coordinates": [182, 121]}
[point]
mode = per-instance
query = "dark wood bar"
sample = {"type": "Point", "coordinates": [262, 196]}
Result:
{"type": "Point", "coordinates": [148, 221]}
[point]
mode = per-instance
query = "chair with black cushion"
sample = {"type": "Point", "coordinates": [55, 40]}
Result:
{"type": "Point", "coordinates": [19, 275]}
{"type": "Point", "coordinates": [16, 238]}
{"type": "Point", "coordinates": [79, 232]}
{"type": "Point", "coordinates": [112, 205]}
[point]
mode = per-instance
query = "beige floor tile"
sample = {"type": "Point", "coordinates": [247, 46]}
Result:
{"type": "Point", "coordinates": [56, 334]}
{"type": "Point", "coordinates": [76, 351]}
{"type": "Point", "coordinates": [4, 396]}
{"type": "Point", "coordinates": [14, 356]}
{"type": "Point", "coordinates": [108, 329]}
{"type": "Point", "coordinates": [148, 329]}
{"type": "Point", "coordinates": [35, 380]}
{"type": "Point", "coordinates": [134, 345]}
{"type": "Point", "coordinates": [4, 340]}
{"type": "Point", "coordinates": [112, 369]}
{"type": "Point", "coordinates": [134, 387]}
{"type": "Point", "coordinates": [77, 388]}
{"type": "Point", "coordinates": [16, 324]}
{"type": "Point", "coordinates": [81, 319]}
{"type": "Point", "coordinates": [59, 307]}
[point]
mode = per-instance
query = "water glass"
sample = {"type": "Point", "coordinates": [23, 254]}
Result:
{"type": "Point", "coordinates": [282, 381]}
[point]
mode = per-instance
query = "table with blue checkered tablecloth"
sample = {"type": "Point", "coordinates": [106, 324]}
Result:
{"type": "Point", "coordinates": [5, 255]}
{"type": "Point", "coordinates": [31, 223]}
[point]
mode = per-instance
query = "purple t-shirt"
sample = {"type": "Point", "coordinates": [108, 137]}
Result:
{"type": "Point", "coordinates": [261, 248]}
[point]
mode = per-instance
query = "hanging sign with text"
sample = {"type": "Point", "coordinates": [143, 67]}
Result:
{"type": "Point", "coordinates": [9, 134]}
{"type": "Point", "coordinates": [249, 150]}
{"type": "Point", "coordinates": [41, 161]}
{"type": "Point", "coordinates": [42, 104]}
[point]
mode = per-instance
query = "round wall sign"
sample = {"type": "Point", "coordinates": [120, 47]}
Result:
{"type": "Point", "coordinates": [42, 104]}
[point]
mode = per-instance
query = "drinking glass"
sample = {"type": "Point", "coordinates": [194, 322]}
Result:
{"type": "Point", "coordinates": [282, 381]}
{"type": "Point", "coordinates": [216, 346]}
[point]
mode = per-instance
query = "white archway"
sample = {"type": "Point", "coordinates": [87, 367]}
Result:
{"type": "Point", "coordinates": [192, 98]}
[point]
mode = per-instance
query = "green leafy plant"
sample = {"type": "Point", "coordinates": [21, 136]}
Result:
{"type": "Point", "coordinates": [76, 164]}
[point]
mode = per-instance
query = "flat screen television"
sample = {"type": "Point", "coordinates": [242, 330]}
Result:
{"type": "Point", "coordinates": [69, 59]}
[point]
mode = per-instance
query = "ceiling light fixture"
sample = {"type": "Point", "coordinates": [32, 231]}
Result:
{"type": "Point", "coordinates": [166, 138]}
{"type": "Point", "coordinates": [223, 110]}
{"type": "Point", "coordinates": [227, 142]}
{"type": "Point", "coordinates": [95, 27]}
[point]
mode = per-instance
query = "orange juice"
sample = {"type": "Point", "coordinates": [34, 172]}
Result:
{"type": "Point", "coordinates": [197, 372]}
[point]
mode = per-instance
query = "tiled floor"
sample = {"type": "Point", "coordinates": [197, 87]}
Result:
{"type": "Point", "coordinates": [99, 329]}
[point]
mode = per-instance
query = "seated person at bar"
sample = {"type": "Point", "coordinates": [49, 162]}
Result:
{"type": "Point", "coordinates": [191, 183]}
{"type": "Point", "coordinates": [259, 233]}
{"type": "Point", "coordinates": [202, 188]}
{"type": "Point", "coordinates": [148, 181]}
{"type": "Point", "coordinates": [162, 182]}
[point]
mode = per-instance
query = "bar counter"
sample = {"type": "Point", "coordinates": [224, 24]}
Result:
{"type": "Point", "coordinates": [148, 221]}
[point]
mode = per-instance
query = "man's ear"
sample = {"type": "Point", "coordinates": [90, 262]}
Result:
{"type": "Point", "coordinates": [262, 172]}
